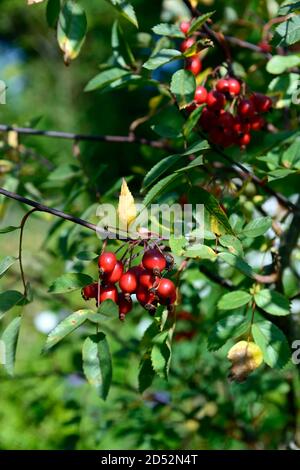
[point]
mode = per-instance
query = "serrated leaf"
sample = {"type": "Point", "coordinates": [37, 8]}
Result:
{"type": "Point", "coordinates": [198, 161]}
{"type": "Point", "coordinates": [8, 300]}
{"type": "Point", "coordinates": [177, 244]}
{"type": "Point", "coordinates": [160, 358]}
{"type": "Point", "coordinates": [288, 6]}
{"type": "Point", "coordinates": [10, 340]}
{"type": "Point", "coordinates": [164, 56]}
{"type": "Point", "coordinates": [232, 243]}
{"type": "Point", "coordinates": [159, 169]}
{"type": "Point", "coordinates": [192, 121]}
{"type": "Point", "coordinates": [257, 227]}
{"type": "Point", "coordinates": [171, 30]}
{"type": "Point", "coordinates": [272, 342]}
{"type": "Point", "coordinates": [199, 22]}
{"type": "Point", "coordinates": [8, 229]}
{"type": "Point", "coordinates": [200, 251]}
{"type": "Point", "coordinates": [71, 30]}
{"type": "Point", "coordinates": [146, 372]}
{"type": "Point", "coordinates": [65, 327]}
{"type": "Point", "coordinates": [70, 282]}
{"type": "Point", "coordinates": [105, 78]}
{"type": "Point", "coordinates": [96, 362]}
{"type": "Point", "coordinates": [234, 300]}
{"type": "Point", "coordinates": [159, 188]}
{"type": "Point", "coordinates": [279, 64]}
{"type": "Point", "coordinates": [183, 86]}
{"type": "Point", "coordinates": [238, 263]}
{"type": "Point", "coordinates": [289, 31]}
{"type": "Point", "coordinates": [197, 147]}
{"type": "Point", "coordinates": [6, 263]}
{"type": "Point", "coordinates": [126, 10]}
{"type": "Point", "coordinates": [272, 302]}
{"type": "Point", "coordinates": [230, 327]}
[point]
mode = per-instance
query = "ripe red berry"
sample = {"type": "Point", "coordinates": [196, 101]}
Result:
{"type": "Point", "coordinates": [90, 291]}
{"type": "Point", "coordinates": [136, 270]}
{"type": "Point", "coordinates": [207, 119]}
{"type": "Point", "coordinates": [185, 26]}
{"type": "Point", "coordinates": [147, 279]}
{"type": "Point", "coordinates": [144, 296]}
{"type": "Point", "coordinates": [246, 108]}
{"type": "Point", "coordinates": [234, 86]}
{"type": "Point", "coordinates": [154, 260]}
{"type": "Point", "coordinates": [106, 262]}
{"type": "Point", "coordinates": [200, 94]}
{"type": "Point", "coordinates": [216, 136]}
{"type": "Point", "coordinates": [240, 126]}
{"type": "Point", "coordinates": [257, 123]}
{"type": "Point", "coordinates": [262, 103]}
{"type": "Point", "coordinates": [229, 137]}
{"type": "Point", "coordinates": [225, 119]}
{"type": "Point", "coordinates": [108, 292]}
{"type": "Point", "coordinates": [215, 100]}
{"type": "Point", "coordinates": [222, 85]}
{"type": "Point", "coordinates": [166, 292]}
{"type": "Point", "coordinates": [194, 64]}
{"type": "Point", "coordinates": [115, 275]}
{"type": "Point", "coordinates": [125, 305]}
{"type": "Point", "coordinates": [186, 44]}
{"type": "Point", "coordinates": [128, 282]}
{"type": "Point", "coordinates": [244, 139]}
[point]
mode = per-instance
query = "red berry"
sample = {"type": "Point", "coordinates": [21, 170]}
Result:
{"type": "Point", "coordinates": [257, 123]}
{"type": "Point", "coordinates": [154, 260]}
{"type": "Point", "coordinates": [194, 64]}
{"type": "Point", "coordinates": [108, 292]}
{"type": "Point", "coordinates": [246, 108]}
{"type": "Point", "coordinates": [125, 305]}
{"type": "Point", "coordinates": [200, 95]}
{"type": "Point", "coordinates": [244, 139]}
{"type": "Point", "coordinates": [229, 137]}
{"type": "Point", "coordinates": [128, 282]}
{"type": "Point", "coordinates": [116, 273]}
{"type": "Point", "coordinates": [186, 44]}
{"type": "Point", "coordinates": [234, 86]}
{"type": "Point", "coordinates": [166, 292]}
{"type": "Point", "coordinates": [226, 119]}
{"type": "Point", "coordinates": [147, 279]}
{"type": "Point", "coordinates": [90, 291]}
{"type": "Point", "coordinates": [136, 270]}
{"type": "Point", "coordinates": [241, 127]}
{"type": "Point", "coordinates": [216, 136]}
{"type": "Point", "coordinates": [262, 103]}
{"type": "Point", "coordinates": [106, 262]}
{"type": "Point", "coordinates": [222, 85]}
{"type": "Point", "coordinates": [265, 46]}
{"type": "Point", "coordinates": [207, 119]}
{"type": "Point", "coordinates": [215, 100]}
{"type": "Point", "coordinates": [144, 296]}
{"type": "Point", "coordinates": [185, 26]}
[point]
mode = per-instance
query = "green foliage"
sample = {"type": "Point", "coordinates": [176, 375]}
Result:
{"type": "Point", "coordinates": [97, 363]}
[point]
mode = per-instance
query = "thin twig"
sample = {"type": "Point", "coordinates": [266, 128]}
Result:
{"type": "Point", "coordinates": [22, 225]}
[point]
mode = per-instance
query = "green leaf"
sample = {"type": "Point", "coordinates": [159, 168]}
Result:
{"type": "Point", "coordinates": [97, 365]}
{"type": "Point", "coordinates": [232, 243]}
{"type": "Point", "coordinates": [65, 327]}
{"type": "Point", "coordinates": [8, 300]}
{"type": "Point", "coordinates": [280, 173]}
{"type": "Point", "coordinates": [71, 30]}
{"type": "Point", "coordinates": [289, 6]}
{"type": "Point", "coordinates": [105, 78]}
{"type": "Point", "coordinates": [238, 263]}
{"type": "Point", "coordinates": [164, 56]}
{"type": "Point", "coordinates": [211, 204]}
{"type": "Point", "coordinates": [8, 229]}
{"type": "Point", "coordinates": [200, 251]}
{"type": "Point", "coordinates": [230, 327]}
{"type": "Point", "coordinates": [168, 123]}
{"type": "Point", "coordinates": [161, 354]}
{"type": "Point", "coordinates": [291, 156]}
{"type": "Point", "coordinates": [159, 169]}
{"type": "Point", "coordinates": [272, 342]}
{"type": "Point", "coordinates": [52, 12]}
{"type": "Point", "coordinates": [171, 30]}
{"type": "Point", "coordinates": [146, 372]}
{"type": "Point", "coordinates": [177, 244]}
{"type": "Point", "coordinates": [159, 188]}
{"type": "Point", "coordinates": [198, 161]}
{"type": "Point", "coordinates": [272, 302]}
{"type": "Point", "coordinates": [234, 300]}
{"type": "Point", "coordinates": [199, 22]}
{"type": "Point", "coordinates": [10, 340]}
{"type": "Point", "coordinates": [6, 263]}
{"type": "Point", "coordinates": [126, 10]}
{"type": "Point", "coordinates": [279, 64]}
{"type": "Point", "coordinates": [257, 227]}
{"type": "Point", "coordinates": [108, 307]}
{"type": "Point", "coordinates": [87, 255]}
{"type": "Point", "coordinates": [70, 282]}
{"type": "Point", "coordinates": [121, 49]}
{"type": "Point", "coordinates": [192, 121]}
{"type": "Point", "coordinates": [183, 86]}
{"type": "Point", "coordinates": [289, 31]}
{"type": "Point", "coordinates": [196, 147]}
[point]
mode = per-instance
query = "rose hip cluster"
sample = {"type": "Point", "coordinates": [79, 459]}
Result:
{"type": "Point", "coordinates": [192, 63]}
{"type": "Point", "coordinates": [145, 281]}
{"type": "Point", "coordinates": [232, 126]}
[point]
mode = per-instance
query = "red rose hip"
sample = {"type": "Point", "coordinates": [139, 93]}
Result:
{"type": "Point", "coordinates": [116, 273]}
{"type": "Point", "coordinates": [106, 262]}
{"type": "Point", "coordinates": [108, 292]}
{"type": "Point", "coordinates": [166, 292]}
{"type": "Point", "coordinates": [154, 260]}
{"type": "Point", "coordinates": [128, 282]}
{"type": "Point", "coordinates": [200, 95]}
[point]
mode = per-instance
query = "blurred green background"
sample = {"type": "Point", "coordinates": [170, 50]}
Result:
{"type": "Point", "coordinates": [48, 405]}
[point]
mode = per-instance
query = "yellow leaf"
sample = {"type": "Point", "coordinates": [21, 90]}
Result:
{"type": "Point", "coordinates": [127, 211]}
{"type": "Point", "coordinates": [12, 139]}
{"type": "Point", "coordinates": [245, 357]}
{"type": "Point", "coordinates": [215, 226]}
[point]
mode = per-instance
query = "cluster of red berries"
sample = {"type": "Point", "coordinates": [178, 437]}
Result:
{"type": "Point", "coordinates": [232, 126]}
{"type": "Point", "coordinates": [144, 280]}
{"type": "Point", "coordinates": [192, 63]}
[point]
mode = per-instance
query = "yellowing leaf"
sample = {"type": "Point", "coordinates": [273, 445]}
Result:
{"type": "Point", "coordinates": [12, 139]}
{"type": "Point", "coordinates": [127, 211]}
{"type": "Point", "coordinates": [245, 357]}
{"type": "Point", "coordinates": [215, 226]}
